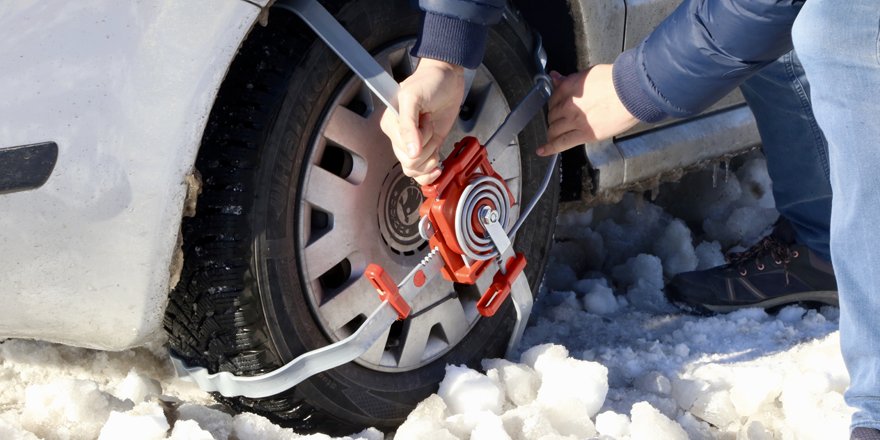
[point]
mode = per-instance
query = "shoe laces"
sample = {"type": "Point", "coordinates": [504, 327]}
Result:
{"type": "Point", "coordinates": [780, 252]}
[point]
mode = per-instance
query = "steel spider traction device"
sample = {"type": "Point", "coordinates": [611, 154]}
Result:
{"type": "Point", "coordinates": [466, 218]}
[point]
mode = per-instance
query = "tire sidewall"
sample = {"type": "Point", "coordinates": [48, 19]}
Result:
{"type": "Point", "coordinates": [366, 395]}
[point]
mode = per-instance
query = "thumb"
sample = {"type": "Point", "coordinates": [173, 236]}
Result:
{"type": "Point", "coordinates": [408, 118]}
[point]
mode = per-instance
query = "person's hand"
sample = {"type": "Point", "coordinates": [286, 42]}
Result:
{"type": "Point", "coordinates": [584, 108]}
{"type": "Point", "coordinates": [428, 105]}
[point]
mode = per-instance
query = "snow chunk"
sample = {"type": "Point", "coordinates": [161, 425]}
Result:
{"type": "Point", "coordinates": [716, 408]}
{"type": "Point", "coordinates": [791, 314]}
{"type": "Point", "coordinates": [812, 409]}
{"type": "Point", "coordinates": [757, 188]}
{"type": "Point", "coordinates": [574, 225]}
{"type": "Point", "coordinates": [612, 424]}
{"type": "Point", "coordinates": [519, 381]}
{"type": "Point", "coordinates": [146, 421]}
{"type": "Point", "coordinates": [465, 390]}
{"type": "Point", "coordinates": [528, 422]}
{"type": "Point", "coordinates": [559, 276]}
{"type": "Point", "coordinates": [570, 417]}
{"type": "Point", "coordinates": [654, 382]}
{"type": "Point", "coordinates": [753, 388]}
{"type": "Point", "coordinates": [585, 286]}
{"type": "Point", "coordinates": [137, 388]}
{"type": "Point", "coordinates": [755, 430]}
{"type": "Point", "coordinates": [649, 424]}
{"type": "Point", "coordinates": [572, 382]}
{"type": "Point", "coordinates": [570, 253]}
{"type": "Point", "coordinates": [696, 428]}
{"type": "Point", "coordinates": [743, 225]}
{"type": "Point", "coordinates": [543, 352]}
{"type": "Point", "coordinates": [676, 249]}
{"type": "Point", "coordinates": [709, 255]}
{"type": "Point", "coordinates": [249, 426]}
{"type": "Point", "coordinates": [600, 300]}
{"type": "Point", "coordinates": [463, 425]}
{"type": "Point", "coordinates": [686, 391]}
{"type": "Point", "coordinates": [681, 350]}
{"type": "Point", "coordinates": [642, 276]}
{"type": "Point", "coordinates": [489, 428]}
{"type": "Point", "coordinates": [68, 408]}
{"type": "Point", "coordinates": [218, 423]}
{"type": "Point", "coordinates": [12, 431]}
{"type": "Point", "coordinates": [189, 430]}
{"type": "Point", "coordinates": [626, 233]}
{"type": "Point", "coordinates": [369, 434]}
{"type": "Point", "coordinates": [425, 422]}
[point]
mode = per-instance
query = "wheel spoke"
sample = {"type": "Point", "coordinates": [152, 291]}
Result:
{"type": "Point", "coordinates": [418, 341]}
{"type": "Point", "coordinates": [408, 63]}
{"type": "Point", "coordinates": [488, 114]}
{"type": "Point", "coordinates": [377, 351]}
{"type": "Point", "coordinates": [343, 122]}
{"type": "Point", "coordinates": [386, 63]}
{"type": "Point", "coordinates": [359, 135]}
{"type": "Point", "coordinates": [328, 251]}
{"type": "Point", "coordinates": [358, 298]}
{"type": "Point", "coordinates": [415, 341]}
{"type": "Point", "coordinates": [505, 160]}
{"type": "Point", "coordinates": [330, 192]}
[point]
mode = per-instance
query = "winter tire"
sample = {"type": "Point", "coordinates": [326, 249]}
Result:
{"type": "Point", "coordinates": [301, 191]}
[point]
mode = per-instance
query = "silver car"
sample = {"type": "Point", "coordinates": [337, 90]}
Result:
{"type": "Point", "coordinates": [213, 171]}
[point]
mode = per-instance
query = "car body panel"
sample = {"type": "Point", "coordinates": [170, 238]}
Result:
{"type": "Point", "coordinates": [727, 127]}
{"type": "Point", "coordinates": [599, 30]}
{"type": "Point", "coordinates": [124, 89]}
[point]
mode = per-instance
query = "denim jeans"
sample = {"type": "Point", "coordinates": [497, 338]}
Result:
{"type": "Point", "coordinates": [837, 41]}
{"type": "Point", "coordinates": [796, 151]}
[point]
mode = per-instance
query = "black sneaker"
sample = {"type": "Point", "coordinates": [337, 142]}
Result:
{"type": "Point", "coordinates": [772, 273]}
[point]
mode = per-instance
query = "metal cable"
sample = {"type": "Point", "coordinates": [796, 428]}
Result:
{"type": "Point", "coordinates": [546, 182]}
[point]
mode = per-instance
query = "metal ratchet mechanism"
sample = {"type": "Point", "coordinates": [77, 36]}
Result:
{"type": "Point", "coordinates": [466, 218]}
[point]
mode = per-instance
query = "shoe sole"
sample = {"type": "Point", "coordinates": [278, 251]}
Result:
{"type": "Point", "coordinates": [827, 297]}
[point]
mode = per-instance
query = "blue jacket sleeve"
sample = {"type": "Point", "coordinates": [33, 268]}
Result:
{"type": "Point", "coordinates": [455, 31]}
{"type": "Point", "coordinates": [701, 52]}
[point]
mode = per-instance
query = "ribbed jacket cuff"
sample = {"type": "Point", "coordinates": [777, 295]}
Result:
{"type": "Point", "coordinates": [628, 86]}
{"type": "Point", "coordinates": [452, 40]}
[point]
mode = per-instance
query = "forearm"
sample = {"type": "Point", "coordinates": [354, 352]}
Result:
{"type": "Point", "coordinates": [701, 52]}
{"type": "Point", "coordinates": [455, 31]}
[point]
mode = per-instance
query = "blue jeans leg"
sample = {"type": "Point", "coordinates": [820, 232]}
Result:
{"type": "Point", "coordinates": [796, 151]}
{"type": "Point", "coordinates": [837, 41]}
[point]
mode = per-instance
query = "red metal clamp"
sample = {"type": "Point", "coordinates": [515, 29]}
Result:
{"type": "Point", "coordinates": [441, 199]}
{"type": "Point", "coordinates": [491, 301]}
{"type": "Point", "coordinates": [388, 290]}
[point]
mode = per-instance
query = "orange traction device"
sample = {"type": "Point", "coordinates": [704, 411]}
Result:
{"type": "Point", "coordinates": [501, 284]}
{"type": "Point", "coordinates": [468, 160]}
{"type": "Point", "coordinates": [387, 289]}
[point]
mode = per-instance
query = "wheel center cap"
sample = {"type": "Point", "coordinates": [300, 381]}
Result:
{"type": "Point", "coordinates": [398, 210]}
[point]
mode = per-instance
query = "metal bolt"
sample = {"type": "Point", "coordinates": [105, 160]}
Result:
{"type": "Point", "coordinates": [488, 215]}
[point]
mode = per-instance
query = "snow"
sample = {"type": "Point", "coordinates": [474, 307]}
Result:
{"type": "Point", "coordinates": [648, 423]}
{"type": "Point", "coordinates": [605, 355]}
{"type": "Point", "coordinates": [467, 391]}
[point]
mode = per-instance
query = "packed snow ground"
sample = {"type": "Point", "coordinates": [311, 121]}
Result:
{"type": "Point", "coordinates": [605, 356]}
